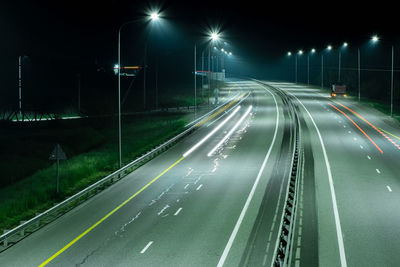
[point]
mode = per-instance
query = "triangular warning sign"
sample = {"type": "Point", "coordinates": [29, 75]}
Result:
{"type": "Point", "coordinates": [58, 154]}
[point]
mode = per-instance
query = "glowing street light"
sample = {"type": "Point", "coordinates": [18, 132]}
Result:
{"type": "Point", "coordinates": [329, 47]}
{"type": "Point", "coordinates": [289, 53]}
{"type": "Point", "coordinates": [345, 44]}
{"type": "Point", "coordinates": [375, 39]}
{"type": "Point", "coordinates": [154, 16]}
{"type": "Point", "coordinates": [312, 51]}
{"type": "Point", "coordinates": [214, 36]}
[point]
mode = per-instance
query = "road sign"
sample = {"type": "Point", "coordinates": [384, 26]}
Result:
{"type": "Point", "coordinates": [57, 155]}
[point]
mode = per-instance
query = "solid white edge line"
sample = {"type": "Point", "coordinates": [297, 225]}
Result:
{"type": "Point", "coordinates": [253, 189]}
{"type": "Point", "coordinates": [146, 247]}
{"type": "Point", "coordinates": [342, 253]}
{"type": "Point", "coordinates": [230, 132]}
{"type": "Point", "coordinates": [211, 133]}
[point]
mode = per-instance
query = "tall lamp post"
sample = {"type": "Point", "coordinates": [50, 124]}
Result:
{"type": "Point", "coordinates": [340, 60]}
{"type": "Point", "coordinates": [299, 53]}
{"type": "Point", "coordinates": [374, 40]}
{"type": "Point", "coordinates": [328, 48]}
{"type": "Point", "coordinates": [289, 54]}
{"type": "Point", "coordinates": [153, 17]}
{"type": "Point", "coordinates": [308, 65]}
{"type": "Point", "coordinates": [214, 37]}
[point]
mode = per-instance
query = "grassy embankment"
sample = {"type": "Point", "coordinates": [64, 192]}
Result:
{"type": "Point", "coordinates": [91, 151]}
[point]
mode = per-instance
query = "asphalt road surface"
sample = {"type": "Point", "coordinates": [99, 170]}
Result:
{"type": "Point", "coordinates": [188, 207]}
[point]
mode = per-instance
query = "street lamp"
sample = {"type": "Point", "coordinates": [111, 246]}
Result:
{"type": "Point", "coordinates": [289, 54]}
{"type": "Point", "coordinates": [328, 48]}
{"type": "Point", "coordinates": [214, 37]}
{"type": "Point", "coordinates": [153, 17]}
{"type": "Point", "coordinates": [300, 52]}
{"type": "Point", "coordinates": [340, 59]}
{"type": "Point", "coordinates": [312, 51]}
{"type": "Point", "coordinates": [375, 40]}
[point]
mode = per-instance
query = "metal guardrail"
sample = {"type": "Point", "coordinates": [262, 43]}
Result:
{"type": "Point", "coordinates": [284, 244]}
{"type": "Point", "coordinates": [49, 215]}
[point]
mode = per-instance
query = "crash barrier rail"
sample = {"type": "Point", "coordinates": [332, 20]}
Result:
{"type": "Point", "coordinates": [284, 244]}
{"type": "Point", "coordinates": [10, 237]}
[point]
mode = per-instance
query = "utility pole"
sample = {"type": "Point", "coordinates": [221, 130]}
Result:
{"type": "Point", "coordinates": [359, 75]}
{"type": "Point", "coordinates": [295, 66]}
{"type": "Point", "coordinates": [157, 82]}
{"type": "Point", "coordinates": [195, 84]}
{"type": "Point", "coordinates": [209, 74]}
{"type": "Point", "coordinates": [79, 93]}
{"type": "Point", "coordinates": [144, 76]}
{"type": "Point", "coordinates": [391, 85]}
{"type": "Point", "coordinates": [308, 69]}
{"type": "Point", "coordinates": [202, 76]}
{"type": "Point", "coordinates": [20, 85]}
{"type": "Point", "coordinates": [340, 61]}
{"type": "Point", "coordinates": [322, 71]}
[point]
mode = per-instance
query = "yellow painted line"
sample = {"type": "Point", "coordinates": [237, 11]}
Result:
{"type": "Point", "coordinates": [389, 133]}
{"type": "Point", "coordinates": [108, 215]}
{"type": "Point", "coordinates": [219, 111]}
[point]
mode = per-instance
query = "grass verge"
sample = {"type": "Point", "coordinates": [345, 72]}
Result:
{"type": "Point", "coordinates": [23, 199]}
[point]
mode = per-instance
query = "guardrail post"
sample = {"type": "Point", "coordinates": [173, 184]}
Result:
{"type": "Point", "coordinates": [5, 242]}
{"type": "Point", "coordinates": [38, 221]}
{"type": "Point", "coordinates": [23, 230]}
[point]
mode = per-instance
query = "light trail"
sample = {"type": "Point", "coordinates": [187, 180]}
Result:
{"type": "Point", "coordinates": [373, 126]}
{"type": "Point", "coordinates": [187, 153]}
{"type": "Point", "coordinates": [358, 127]}
{"type": "Point", "coordinates": [230, 132]}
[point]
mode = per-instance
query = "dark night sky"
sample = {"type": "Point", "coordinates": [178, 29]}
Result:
{"type": "Point", "coordinates": [69, 35]}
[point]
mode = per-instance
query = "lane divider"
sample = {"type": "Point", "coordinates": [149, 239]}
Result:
{"type": "Point", "coordinates": [358, 127]}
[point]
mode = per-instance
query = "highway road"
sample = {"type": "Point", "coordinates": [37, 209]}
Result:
{"type": "Point", "coordinates": [216, 198]}
{"type": "Point", "coordinates": [175, 210]}
{"type": "Point", "coordinates": [349, 212]}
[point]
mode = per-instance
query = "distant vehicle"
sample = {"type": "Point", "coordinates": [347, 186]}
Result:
{"type": "Point", "coordinates": [338, 89]}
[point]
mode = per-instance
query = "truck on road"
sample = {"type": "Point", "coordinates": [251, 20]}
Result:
{"type": "Point", "coordinates": [338, 89]}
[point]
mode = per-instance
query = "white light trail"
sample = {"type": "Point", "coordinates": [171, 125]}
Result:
{"type": "Point", "coordinates": [230, 132]}
{"type": "Point", "coordinates": [211, 133]}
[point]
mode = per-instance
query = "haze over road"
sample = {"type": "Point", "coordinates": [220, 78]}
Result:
{"type": "Point", "coordinates": [225, 208]}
